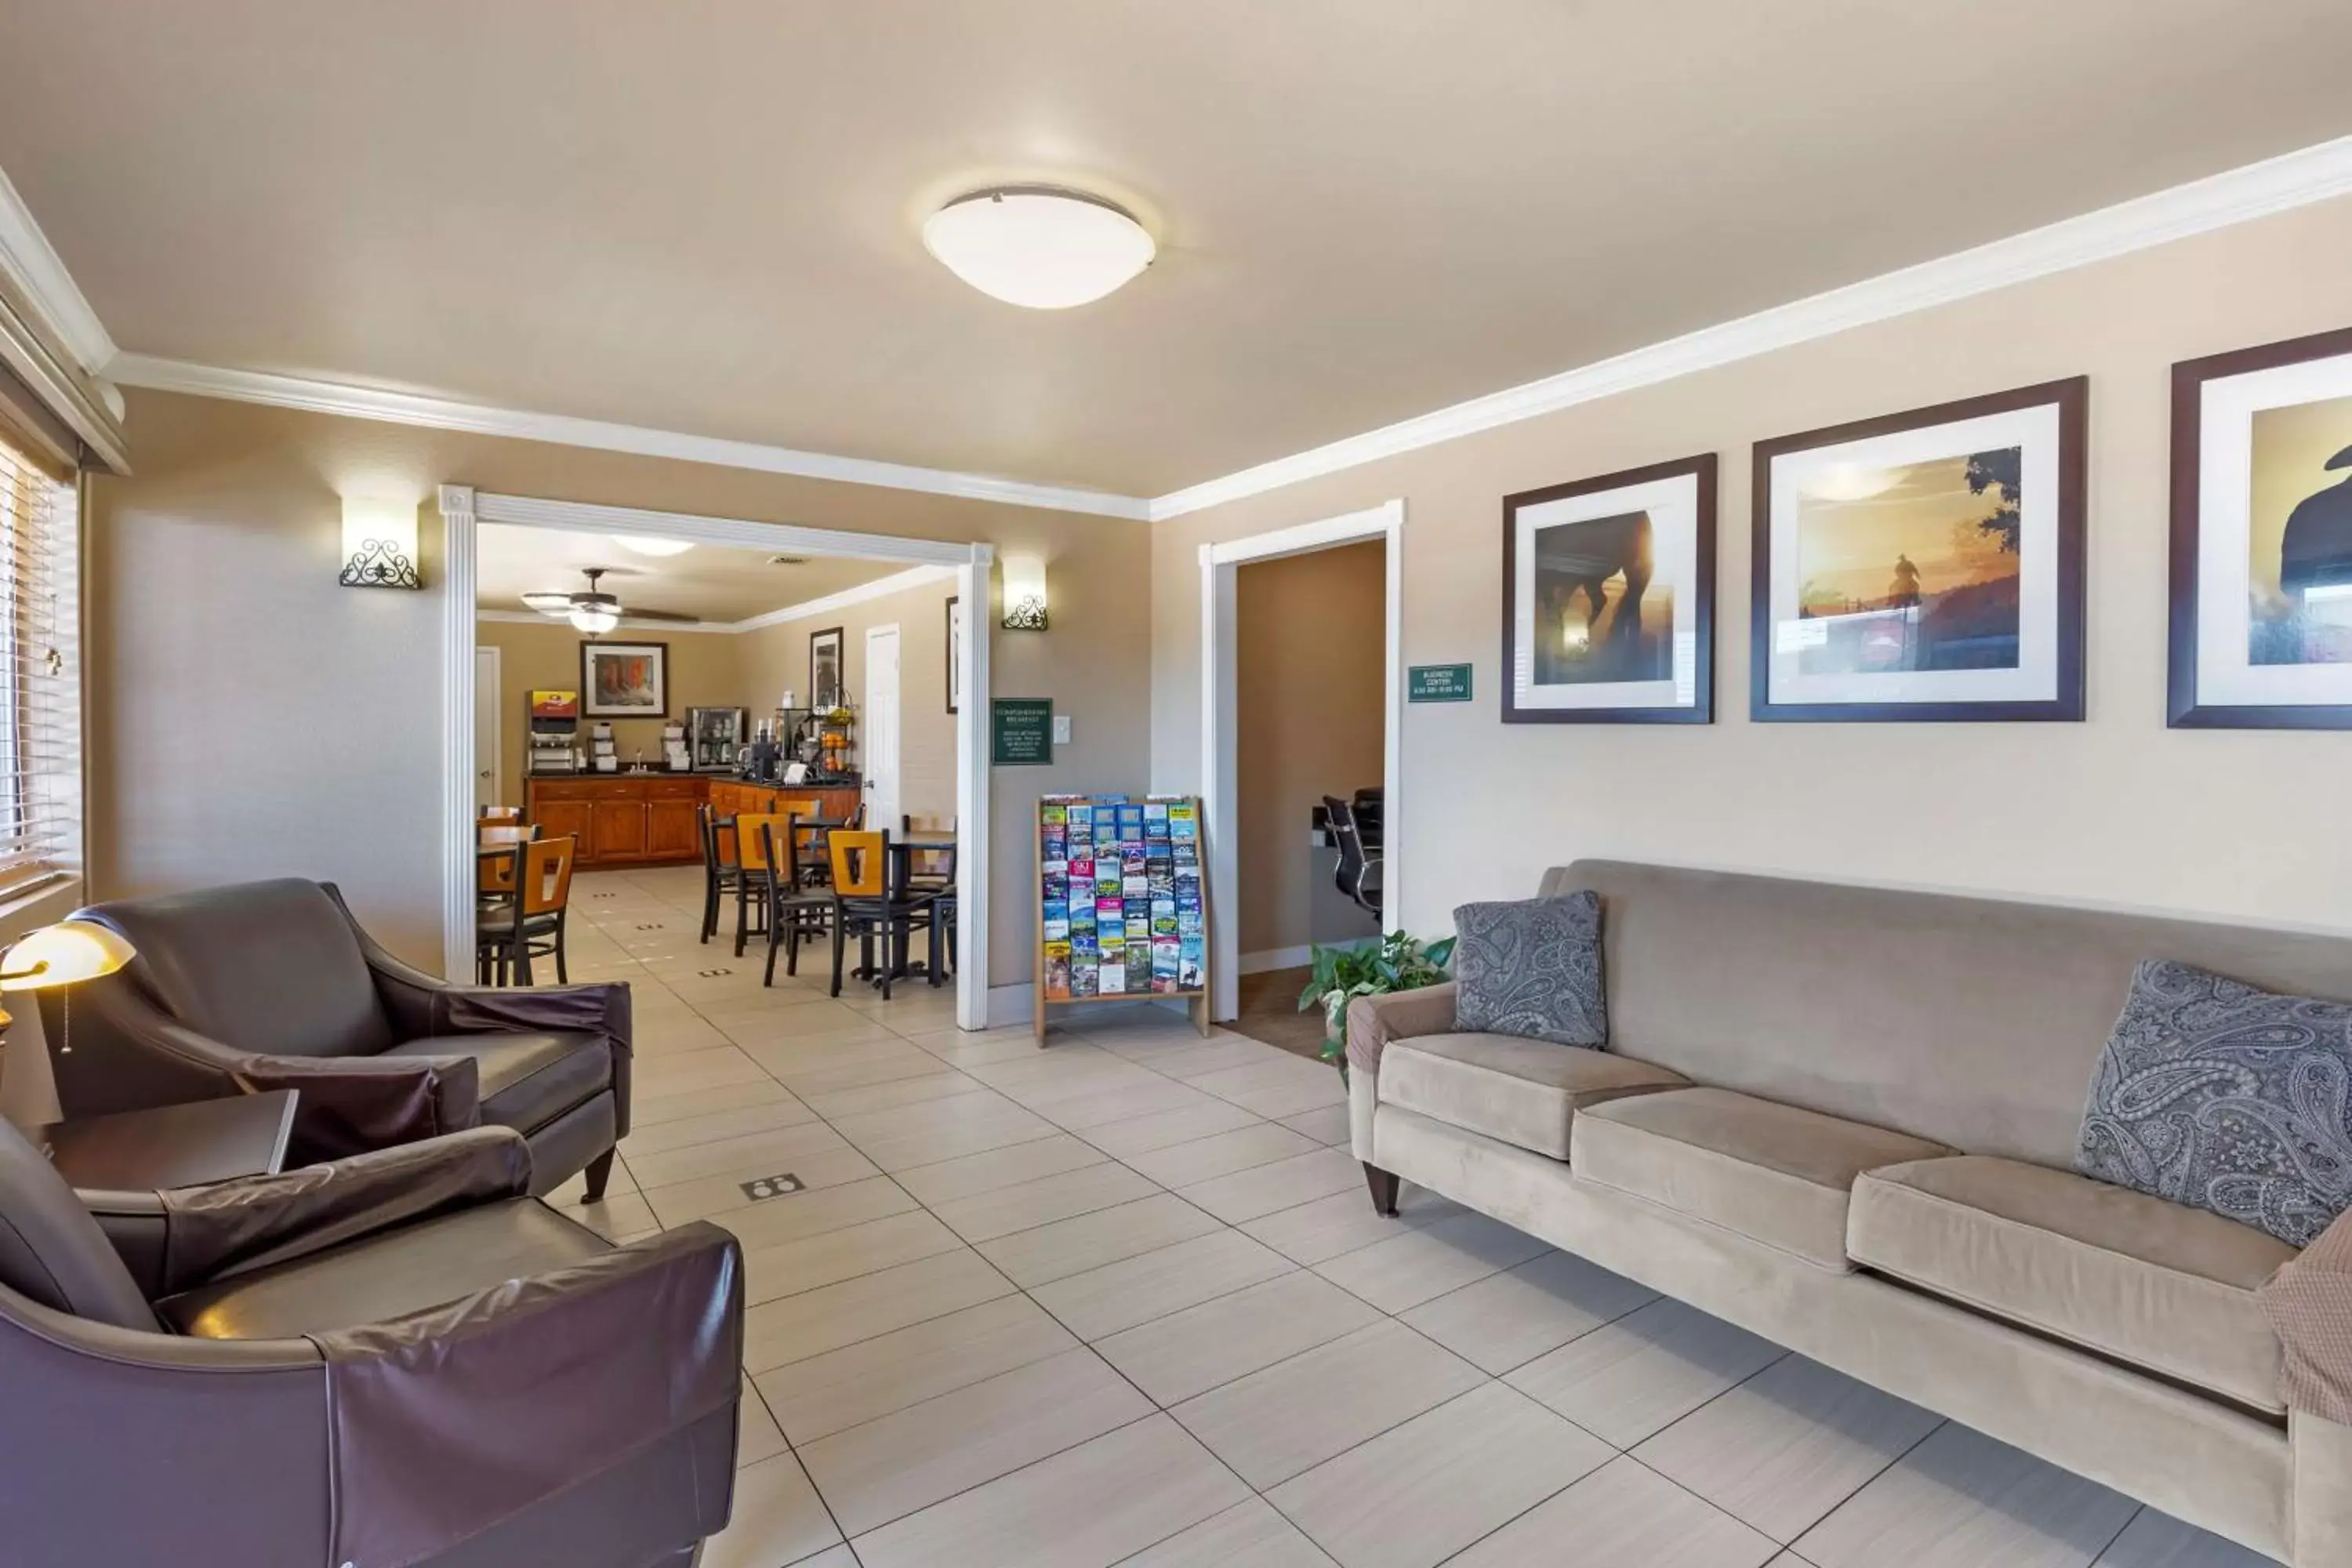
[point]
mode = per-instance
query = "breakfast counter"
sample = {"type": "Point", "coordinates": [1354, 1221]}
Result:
{"type": "Point", "coordinates": [650, 818]}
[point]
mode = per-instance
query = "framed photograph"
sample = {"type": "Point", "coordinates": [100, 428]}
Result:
{"type": "Point", "coordinates": [824, 669]}
{"type": "Point", "coordinates": [1923, 566]}
{"type": "Point", "coordinates": [1609, 598]}
{"type": "Point", "coordinates": [955, 652]}
{"type": "Point", "coordinates": [2261, 538]}
{"type": "Point", "coordinates": [626, 680]}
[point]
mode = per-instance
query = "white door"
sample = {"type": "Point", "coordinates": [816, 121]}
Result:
{"type": "Point", "coordinates": [881, 728]}
{"type": "Point", "coordinates": [488, 770]}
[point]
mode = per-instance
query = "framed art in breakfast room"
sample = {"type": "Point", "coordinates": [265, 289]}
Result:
{"type": "Point", "coordinates": [2261, 538]}
{"type": "Point", "coordinates": [825, 670]}
{"type": "Point", "coordinates": [626, 680]}
{"type": "Point", "coordinates": [1923, 566]}
{"type": "Point", "coordinates": [1609, 598]}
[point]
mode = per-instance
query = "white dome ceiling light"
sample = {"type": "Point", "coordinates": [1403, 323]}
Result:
{"type": "Point", "coordinates": [1037, 246]}
{"type": "Point", "coordinates": [644, 545]}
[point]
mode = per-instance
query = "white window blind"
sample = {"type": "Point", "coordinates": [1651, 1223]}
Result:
{"type": "Point", "coordinates": [40, 668]}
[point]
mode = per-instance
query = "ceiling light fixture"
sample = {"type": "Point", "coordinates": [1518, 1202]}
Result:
{"type": "Point", "coordinates": [645, 546]}
{"type": "Point", "coordinates": [1038, 246]}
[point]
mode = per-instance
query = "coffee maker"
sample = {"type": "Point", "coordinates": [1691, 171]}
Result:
{"type": "Point", "coordinates": [715, 735]}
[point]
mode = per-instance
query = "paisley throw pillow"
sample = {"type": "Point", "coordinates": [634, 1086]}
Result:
{"type": "Point", "coordinates": [1531, 968]}
{"type": "Point", "coordinates": [2221, 1096]}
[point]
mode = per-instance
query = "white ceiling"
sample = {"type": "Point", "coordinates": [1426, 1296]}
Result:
{"type": "Point", "coordinates": [715, 582]}
{"type": "Point", "coordinates": [701, 216]}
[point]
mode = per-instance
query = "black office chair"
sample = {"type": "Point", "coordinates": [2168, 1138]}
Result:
{"type": "Point", "coordinates": [1360, 871]}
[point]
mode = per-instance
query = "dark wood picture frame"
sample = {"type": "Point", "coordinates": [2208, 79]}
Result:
{"type": "Point", "coordinates": [1701, 709]}
{"type": "Point", "coordinates": [954, 647]}
{"type": "Point", "coordinates": [2183, 711]}
{"type": "Point", "coordinates": [2073, 398]}
{"type": "Point", "coordinates": [840, 664]}
{"type": "Point", "coordinates": [588, 677]}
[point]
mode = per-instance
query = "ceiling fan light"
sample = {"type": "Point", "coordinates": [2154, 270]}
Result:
{"type": "Point", "coordinates": [550, 604]}
{"type": "Point", "coordinates": [594, 618]}
{"type": "Point", "coordinates": [644, 545]}
{"type": "Point", "coordinates": [1045, 250]}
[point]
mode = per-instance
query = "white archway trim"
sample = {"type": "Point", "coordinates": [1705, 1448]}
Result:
{"type": "Point", "coordinates": [1219, 716]}
{"type": "Point", "coordinates": [462, 510]}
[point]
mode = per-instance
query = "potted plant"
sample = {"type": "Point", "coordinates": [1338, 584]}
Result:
{"type": "Point", "coordinates": [1395, 963]}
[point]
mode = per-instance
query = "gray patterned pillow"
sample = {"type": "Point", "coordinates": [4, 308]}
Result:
{"type": "Point", "coordinates": [2218, 1096]}
{"type": "Point", "coordinates": [1531, 968]}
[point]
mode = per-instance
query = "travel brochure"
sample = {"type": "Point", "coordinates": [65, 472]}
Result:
{"type": "Point", "coordinates": [1122, 913]}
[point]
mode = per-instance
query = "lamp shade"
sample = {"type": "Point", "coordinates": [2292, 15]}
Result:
{"type": "Point", "coordinates": [1024, 594]}
{"type": "Point", "coordinates": [1045, 250]}
{"type": "Point", "coordinates": [62, 954]}
{"type": "Point", "coordinates": [379, 543]}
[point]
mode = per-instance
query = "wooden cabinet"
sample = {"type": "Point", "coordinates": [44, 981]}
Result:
{"type": "Point", "coordinates": [623, 819]}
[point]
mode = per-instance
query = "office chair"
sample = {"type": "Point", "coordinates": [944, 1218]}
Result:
{"type": "Point", "coordinates": [1358, 874]}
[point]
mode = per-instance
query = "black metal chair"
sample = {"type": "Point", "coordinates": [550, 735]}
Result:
{"type": "Point", "coordinates": [1359, 876]}
{"type": "Point", "coordinates": [800, 898]}
{"type": "Point", "coordinates": [719, 872]}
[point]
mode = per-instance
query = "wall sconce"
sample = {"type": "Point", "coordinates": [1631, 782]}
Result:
{"type": "Point", "coordinates": [379, 543]}
{"type": "Point", "coordinates": [1024, 593]}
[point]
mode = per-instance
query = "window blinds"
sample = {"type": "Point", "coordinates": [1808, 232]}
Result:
{"type": "Point", "coordinates": [40, 668]}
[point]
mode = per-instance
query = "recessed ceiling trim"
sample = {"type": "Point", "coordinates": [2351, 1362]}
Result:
{"type": "Point", "coordinates": [592, 517]}
{"type": "Point", "coordinates": [316, 396]}
{"type": "Point", "coordinates": [32, 265]}
{"type": "Point", "coordinates": [879, 588]}
{"type": "Point", "coordinates": [2237, 196]}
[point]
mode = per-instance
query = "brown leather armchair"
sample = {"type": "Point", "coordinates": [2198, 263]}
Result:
{"type": "Point", "coordinates": [395, 1361]}
{"type": "Point", "coordinates": [263, 985]}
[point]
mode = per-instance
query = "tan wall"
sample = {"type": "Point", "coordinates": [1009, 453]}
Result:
{"type": "Point", "coordinates": [776, 657]}
{"type": "Point", "coordinates": [249, 717]}
{"type": "Point", "coordinates": [706, 670]}
{"type": "Point", "coordinates": [2116, 809]}
{"type": "Point", "coordinates": [1308, 636]}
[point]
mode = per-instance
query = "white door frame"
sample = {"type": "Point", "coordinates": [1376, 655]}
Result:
{"type": "Point", "coordinates": [1219, 710]}
{"type": "Point", "coordinates": [462, 509]}
{"type": "Point", "coordinates": [888, 820]}
{"type": "Point", "coordinates": [498, 767]}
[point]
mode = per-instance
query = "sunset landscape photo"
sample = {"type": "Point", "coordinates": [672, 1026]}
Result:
{"type": "Point", "coordinates": [1910, 568]}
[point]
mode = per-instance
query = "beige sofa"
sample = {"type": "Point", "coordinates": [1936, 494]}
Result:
{"type": "Point", "coordinates": [1844, 1118]}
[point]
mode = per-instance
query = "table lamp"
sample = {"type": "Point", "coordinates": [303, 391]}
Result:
{"type": "Point", "coordinates": [62, 954]}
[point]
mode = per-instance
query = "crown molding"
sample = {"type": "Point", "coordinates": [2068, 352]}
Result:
{"type": "Point", "coordinates": [2237, 196]}
{"type": "Point", "coordinates": [482, 419]}
{"type": "Point", "coordinates": [807, 609]}
{"type": "Point", "coordinates": [29, 262]}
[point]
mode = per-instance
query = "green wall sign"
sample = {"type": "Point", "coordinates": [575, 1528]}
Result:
{"type": "Point", "coordinates": [1021, 731]}
{"type": "Point", "coordinates": [1438, 683]}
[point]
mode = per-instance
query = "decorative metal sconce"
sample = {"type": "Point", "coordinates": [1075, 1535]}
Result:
{"type": "Point", "coordinates": [1024, 594]}
{"type": "Point", "coordinates": [379, 544]}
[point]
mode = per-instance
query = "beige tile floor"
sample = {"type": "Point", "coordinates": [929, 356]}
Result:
{"type": "Point", "coordinates": [1124, 1300]}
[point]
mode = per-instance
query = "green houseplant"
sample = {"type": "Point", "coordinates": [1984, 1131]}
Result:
{"type": "Point", "coordinates": [1395, 963]}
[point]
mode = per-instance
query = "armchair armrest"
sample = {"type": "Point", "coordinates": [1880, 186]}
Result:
{"type": "Point", "coordinates": [2309, 1304]}
{"type": "Point", "coordinates": [419, 1006]}
{"type": "Point", "coordinates": [230, 1226]}
{"type": "Point", "coordinates": [446, 1421]}
{"type": "Point", "coordinates": [1374, 1021]}
{"type": "Point", "coordinates": [351, 1105]}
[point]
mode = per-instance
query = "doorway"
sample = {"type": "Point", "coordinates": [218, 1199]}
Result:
{"type": "Point", "coordinates": [463, 508]}
{"type": "Point", "coordinates": [882, 796]}
{"type": "Point", "coordinates": [1220, 716]}
{"type": "Point", "coordinates": [489, 764]}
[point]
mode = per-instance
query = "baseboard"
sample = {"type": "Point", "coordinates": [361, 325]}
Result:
{"type": "Point", "coordinates": [1294, 957]}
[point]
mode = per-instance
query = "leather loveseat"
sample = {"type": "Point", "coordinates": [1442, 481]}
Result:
{"type": "Point", "coordinates": [266, 985]}
{"type": "Point", "coordinates": [395, 1361]}
{"type": "Point", "coordinates": [1845, 1119]}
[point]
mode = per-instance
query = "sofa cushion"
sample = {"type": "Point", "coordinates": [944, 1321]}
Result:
{"type": "Point", "coordinates": [528, 1079]}
{"type": "Point", "coordinates": [1522, 1091]}
{"type": "Point", "coordinates": [2167, 1289]}
{"type": "Point", "coordinates": [1532, 968]}
{"type": "Point", "coordinates": [2227, 1098]}
{"type": "Point", "coordinates": [1770, 1173]}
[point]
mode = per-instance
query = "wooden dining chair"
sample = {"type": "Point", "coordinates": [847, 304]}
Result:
{"type": "Point", "coordinates": [720, 870]}
{"type": "Point", "coordinates": [497, 836]}
{"type": "Point", "coordinates": [872, 900]}
{"type": "Point", "coordinates": [535, 921]}
{"type": "Point", "coordinates": [799, 909]}
{"type": "Point", "coordinates": [752, 917]}
{"type": "Point", "coordinates": [490, 814]}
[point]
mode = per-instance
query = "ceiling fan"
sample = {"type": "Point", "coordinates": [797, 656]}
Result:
{"type": "Point", "coordinates": [594, 611]}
